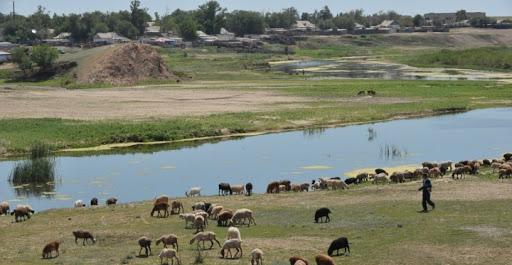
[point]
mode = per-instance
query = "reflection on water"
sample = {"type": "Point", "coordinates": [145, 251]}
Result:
{"type": "Point", "coordinates": [148, 171]}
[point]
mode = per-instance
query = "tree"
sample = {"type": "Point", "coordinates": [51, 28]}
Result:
{"type": "Point", "coordinates": [418, 20]}
{"type": "Point", "coordinates": [305, 16]}
{"type": "Point", "coordinates": [461, 15]}
{"type": "Point", "coordinates": [21, 58]}
{"type": "Point", "coordinates": [138, 16]}
{"type": "Point", "coordinates": [325, 13]}
{"type": "Point", "coordinates": [188, 28]}
{"type": "Point", "coordinates": [211, 17]}
{"type": "Point", "coordinates": [284, 19]}
{"type": "Point", "coordinates": [245, 22]}
{"type": "Point", "coordinates": [44, 56]}
{"type": "Point", "coordinates": [344, 21]}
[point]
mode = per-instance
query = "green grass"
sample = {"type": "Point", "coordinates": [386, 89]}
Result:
{"type": "Point", "coordinates": [381, 224]}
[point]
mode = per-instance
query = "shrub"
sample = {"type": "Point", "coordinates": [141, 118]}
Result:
{"type": "Point", "coordinates": [39, 168]}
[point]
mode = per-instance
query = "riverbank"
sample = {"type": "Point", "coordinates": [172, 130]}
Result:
{"type": "Point", "coordinates": [469, 225]}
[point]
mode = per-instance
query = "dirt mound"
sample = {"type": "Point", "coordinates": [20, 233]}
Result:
{"type": "Point", "coordinates": [124, 65]}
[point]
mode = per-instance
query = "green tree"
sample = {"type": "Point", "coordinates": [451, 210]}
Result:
{"type": "Point", "coordinates": [325, 13]}
{"type": "Point", "coordinates": [344, 21]}
{"type": "Point", "coordinates": [44, 56]}
{"type": "Point", "coordinates": [138, 16]}
{"type": "Point", "coordinates": [188, 28]}
{"type": "Point", "coordinates": [284, 19]}
{"type": "Point", "coordinates": [418, 20]}
{"type": "Point", "coordinates": [211, 17]}
{"type": "Point", "coordinates": [461, 15]}
{"type": "Point", "coordinates": [245, 22]}
{"type": "Point", "coordinates": [21, 58]}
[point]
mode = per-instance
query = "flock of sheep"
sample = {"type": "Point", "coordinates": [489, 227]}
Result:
{"type": "Point", "coordinates": [203, 211]}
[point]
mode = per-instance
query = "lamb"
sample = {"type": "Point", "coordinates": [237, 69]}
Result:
{"type": "Point", "coordinates": [168, 240]}
{"type": "Point", "coordinates": [248, 188]}
{"type": "Point", "coordinates": [230, 244]}
{"type": "Point", "coordinates": [273, 187]}
{"type": "Point", "coordinates": [85, 235]}
{"type": "Point", "coordinates": [22, 211]}
{"type": "Point", "coordinates": [205, 236]}
{"type": "Point", "coordinates": [256, 257]}
{"type": "Point", "coordinates": [176, 205]}
{"type": "Point", "coordinates": [160, 207]}
{"type": "Point", "coordinates": [194, 191]}
{"type": "Point", "coordinates": [145, 243]}
{"type": "Point", "coordinates": [111, 201]}
{"type": "Point", "coordinates": [322, 213]}
{"type": "Point", "coordinates": [224, 217]}
{"type": "Point", "coordinates": [79, 204]}
{"type": "Point", "coordinates": [94, 201]}
{"type": "Point", "coordinates": [199, 223]}
{"type": "Point", "coordinates": [295, 259]}
{"type": "Point", "coordinates": [242, 215]}
{"type": "Point", "coordinates": [4, 208]}
{"type": "Point", "coordinates": [216, 211]}
{"type": "Point", "coordinates": [49, 248]}
{"type": "Point", "coordinates": [234, 233]}
{"type": "Point", "coordinates": [324, 260]}
{"type": "Point", "coordinates": [168, 254]}
{"type": "Point", "coordinates": [338, 244]}
{"type": "Point", "coordinates": [188, 217]}
{"type": "Point", "coordinates": [238, 189]}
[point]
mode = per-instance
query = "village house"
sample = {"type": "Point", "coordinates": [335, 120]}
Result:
{"type": "Point", "coordinates": [152, 30]}
{"type": "Point", "coordinates": [205, 38]}
{"type": "Point", "coordinates": [109, 38]}
{"type": "Point", "coordinates": [5, 56]}
{"type": "Point", "coordinates": [225, 35]}
{"type": "Point", "coordinates": [304, 25]}
{"type": "Point", "coordinates": [451, 18]}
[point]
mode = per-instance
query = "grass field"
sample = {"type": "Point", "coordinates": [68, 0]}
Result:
{"type": "Point", "coordinates": [471, 225]}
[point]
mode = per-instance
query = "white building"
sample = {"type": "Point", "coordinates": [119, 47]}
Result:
{"type": "Point", "coordinates": [109, 38]}
{"type": "Point", "coordinates": [304, 25]}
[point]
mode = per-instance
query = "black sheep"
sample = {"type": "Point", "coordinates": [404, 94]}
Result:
{"type": "Point", "coordinates": [338, 244]}
{"type": "Point", "coordinates": [351, 181]}
{"type": "Point", "coordinates": [486, 162]}
{"type": "Point", "coordinates": [224, 188]}
{"type": "Point", "coordinates": [380, 170]}
{"type": "Point", "coordinates": [94, 201]}
{"type": "Point", "coordinates": [507, 156]}
{"type": "Point", "coordinates": [207, 206]}
{"type": "Point", "coordinates": [321, 213]}
{"type": "Point", "coordinates": [338, 178]}
{"type": "Point", "coordinates": [248, 188]}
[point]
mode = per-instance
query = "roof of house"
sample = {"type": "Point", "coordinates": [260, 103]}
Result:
{"type": "Point", "coordinates": [358, 26]}
{"type": "Point", "coordinates": [224, 31]}
{"type": "Point", "coordinates": [63, 35]}
{"type": "Point", "coordinates": [304, 24]}
{"type": "Point", "coordinates": [4, 53]}
{"type": "Point", "coordinates": [388, 23]}
{"type": "Point", "coordinates": [110, 35]}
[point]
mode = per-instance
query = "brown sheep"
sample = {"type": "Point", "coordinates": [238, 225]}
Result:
{"type": "Point", "coordinates": [49, 248]}
{"type": "Point", "coordinates": [505, 173]}
{"type": "Point", "coordinates": [85, 235]}
{"type": "Point", "coordinates": [273, 187]}
{"type": "Point", "coordinates": [256, 257]}
{"type": "Point", "coordinates": [199, 223]}
{"type": "Point", "coordinates": [295, 187]}
{"type": "Point", "coordinates": [168, 240]}
{"type": "Point", "coordinates": [111, 201]}
{"type": "Point", "coordinates": [160, 207]}
{"type": "Point", "coordinates": [324, 260]}
{"type": "Point", "coordinates": [4, 208]}
{"type": "Point", "coordinates": [22, 212]}
{"type": "Point", "coordinates": [294, 259]}
{"type": "Point", "coordinates": [224, 218]}
{"type": "Point", "coordinates": [145, 243]}
{"type": "Point", "coordinates": [434, 172]}
{"type": "Point", "coordinates": [287, 184]}
{"type": "Point", "coordinates": [177, 205]}
{"type": "Point", "coordinates": [304, 187]}
{"type": "Point", "coordinates": [161, 199]}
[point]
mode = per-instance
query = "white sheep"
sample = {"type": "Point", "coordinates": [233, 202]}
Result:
{"type": "Point", "coordinates": [205, 236]}
{"type": "Point", "coordinates": [238, 189]}
{"type": "Point", "coordinates": [194, 191]}
{"type": "Point", "coordinates": [203, 214]}
{"type": "Point", "coordinates": [199, 223]}
{"type": "Point", "coordinates": [215, 211]}
{"type": "Point", "coordinates": [168, 253]}
{"type": "Point", "coordinates": [234, 233]}
{"type": "Point", "coordinates": [189, 217]}
{"type": "Point", "coordinates": [256, 257]}
{"type": "Point", "coordinates": [79, 204]}
{"type": "Point", "coordinates": [240, 216]}
{"type": "Point", "coordinates": [230, 244]}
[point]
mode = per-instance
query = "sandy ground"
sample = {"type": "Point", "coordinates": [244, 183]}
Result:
{"type": "Point", "coordinates": [145, 103]}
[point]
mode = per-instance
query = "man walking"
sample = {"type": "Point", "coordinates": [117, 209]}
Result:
{"type": "Point", "coordinates": [426, 189]}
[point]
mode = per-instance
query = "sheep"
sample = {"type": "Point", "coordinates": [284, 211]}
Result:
{"type": "Point", "coordinates": [145, 243]}
{"type": "Point", "coordinates": [94, 201]}
{"type": "Point", "coordinates": [380, 171]}
{"type": "Point", "coordinates": [460, 171]}
{"type": "Point", "coordinates": [371, 93]}
{"type": "Point", "coordinates": [161, 200]}
{"type": "Point", "coordinates": [111, 201]}
{"type": "Point", "coordinates": [216, 211]}
{"type": "Point", "coordinates": [194, 191]}
{"type": "Point", "coordinates": [242, 215]}
{"type": "Point", "coordinates": [324, 260]}
{"type": "Point", "coordinates": [429, 165]}
{"type": "Point", "coordinates": [295, 187]}
{"type": "Point", "coordinates": [168, 254]}
{"type": "Point", "coordinates": [397, 177]}
{"type": "Point", "coordinates": [474, 167]}
{"type": "Point", "coordinates": [434, 172]}
{"type": "Point", "coordinates": [248, 188]}
{"type": "Point", "coordinates": [198, 206]}
{"type": "Point", "coordinates": [85, 235]}
{"type": "Point", "coordinates": [168, 240]}
{"type": "Point", "coordinates": [234, 233]}
{"type": "Point", "coordinates": [293, 260]}
{"type": "Point", "coordinates": [505, 173]}
{"type": "Point", "coordinates": [287, 184]}
{"type": "Point", "coordinates": [224, 189]}
{"type": "Point", "coordinates": [282, 188]}
{"type": "Point", "coordinates": [349, 181]}
{"type": "Point", "coordinates": [205, 236]}
{"type": "Point", "coordinates": [338, 244]}
{"type": "Point", "coordinates": [79, 204]}
{"type": "Point", "coordinates": [176, 205]}
{"type": "Point", "coordinates": [188, 217]}
{"type": "Point", "coordinates": [49, 248]}
{"type": "Point", "coordinates": [238, 189]}
{"type": "Point", "coordinates": [360, 93]}
{"type": "Point", "coordinates": [446, 165]}
{"type": "Point", "coordinates": [203, 214]}
{"type": "Point", "coordinates": [315, 185]}
{"type": "Point", "coordinates": [273, 187]}
{"type": "Point", "coordinates": [300, 262]}
{"type": "Point", "coordinates": [256, 257]}
{"type": "Point", "coordinates": [230, 244]}
{"type": "Point", "coordinates": [4, 208]}
{"type": "Point", "coordinates": [304, 187]}
{"type": "Point", "coordinates": [224, 217]}
{"type": "Point", "coordinates": [199, 223]}
{"type": "Point", "coordinates": [160, 207]}
{"type": "Point", "coordinates": [363, 177]}
{"type": "Point", "coordinates": [22, 211]}
{"type": "Point", "coordinates": [322, 213]}
{"type": "Point", "coordinates": [507, 156]}
{"type": "Point", "coordinates": [380, 178]}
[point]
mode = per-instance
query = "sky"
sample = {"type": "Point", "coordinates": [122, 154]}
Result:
{"type": "Point", "coordinates": [407, 7]}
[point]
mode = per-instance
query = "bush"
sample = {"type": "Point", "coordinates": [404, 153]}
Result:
{"type": "Point", "coordinates": [39, 168]}
{"type": "Point", "coordinates": [44, 56]}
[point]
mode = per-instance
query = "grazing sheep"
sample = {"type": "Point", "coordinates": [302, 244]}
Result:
{"type": "Point", "coordinates": [486, 162]}
{"type": "Point", "coordinates": [205, 236]}
{"type": "Point", "coordinates": [160, 207]}
{"type": "Point", "coordinates": [304, 187]}
{"type": "Point", "coordinates": [338, 244]}
{"type": "Point", "coordinates": [295, 187]}
{"type": "Point", "coordinates": [94, 201]}
{"type": "Point", "coordinates": [350, 181]}
{"type": "Point", "coordinates": [429, 165]}
{"type": "Point", "coordinates": [22, 211]}
{"type": "Point", "coordinates": [49, 248]}
{"type": "Point", "coordinates": [293, 260]}
{"type": "Point", "coordinates": [234, 233]}
{"type": "Point", "coordinates": [273, 187]}
{"type": "Point", "coordinates": [287, 184]}
{"type": "Point", "coordinates": [315, 185]}
{"type": "Point", "coordinates": [203, 214]}
{"type": "Point", "coordinates": [238, 189]}
{"type": "Point", "coordinates": [224, 217]}
{"type": "Point", "coordinates": [111, 201]}
{"type": "Point", "coordinates": [168, 254]}
{"type": "Point", "coordinates": [505, 173]}
{"type": "Point", "coordinates": [248, 188]}
{"type": "Point", "coordinates": [85, 235]}
{"type": "Point", "coordinates": [162, 199]}
{"type": "Point", "coordinates": [322, 213]}
{"type": "Point", "coordinates": [397, 177]}
{"type": "Point", "coordinates": [230, 244]}
{"type": "Point", "coordinates": [256, 257]}
{"type": "Point", "coordinates": [199, 223]}
{"type": "Point", "coordinates": [363, 177]}
{"type": "Point", "coordinates": [4, 208]}
{"type": "Point", "coordinates": [434, 172]}
{"type": "Point", "coordinates": [380, 171]}
{"type": "Point", "coordinates": [460, 171]}
{"type": "Point", "coordinates": [324, 260]}
{"type": "Point", "coordinates": [188, 217]}
{"type": "Point", "coordinates": [474, 167]}
{"type": "Point", "coordinates": [282, 188]}
{"type": "Point", "coordinates": [216, 211]}
{"type": "Point", "coordinates": [198, 206]}
{"type": "Point", "coordinates": [194, 191]}
{"type": "Point", "coordinates": [447, 165]}
{"type": "Point", "coordinates": [224, 189]}
{"type": "Point", "coordinates": [408, 175]}
{"type": "Point", "coordinates": [242, 215]}
{"type": "Point", "coordinates": [145, 243]}
{"type": "Point", "coordinates": [168, 240]}
{"type": "Point", "coordinates": [380, 178]}
{"type": "Point", "coordinates": [79, 204]}
{"type": "Point", "coordinates": [176, 205]}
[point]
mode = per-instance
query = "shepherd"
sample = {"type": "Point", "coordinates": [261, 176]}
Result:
{"type": "Point", "coordinates": [426, 189]}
